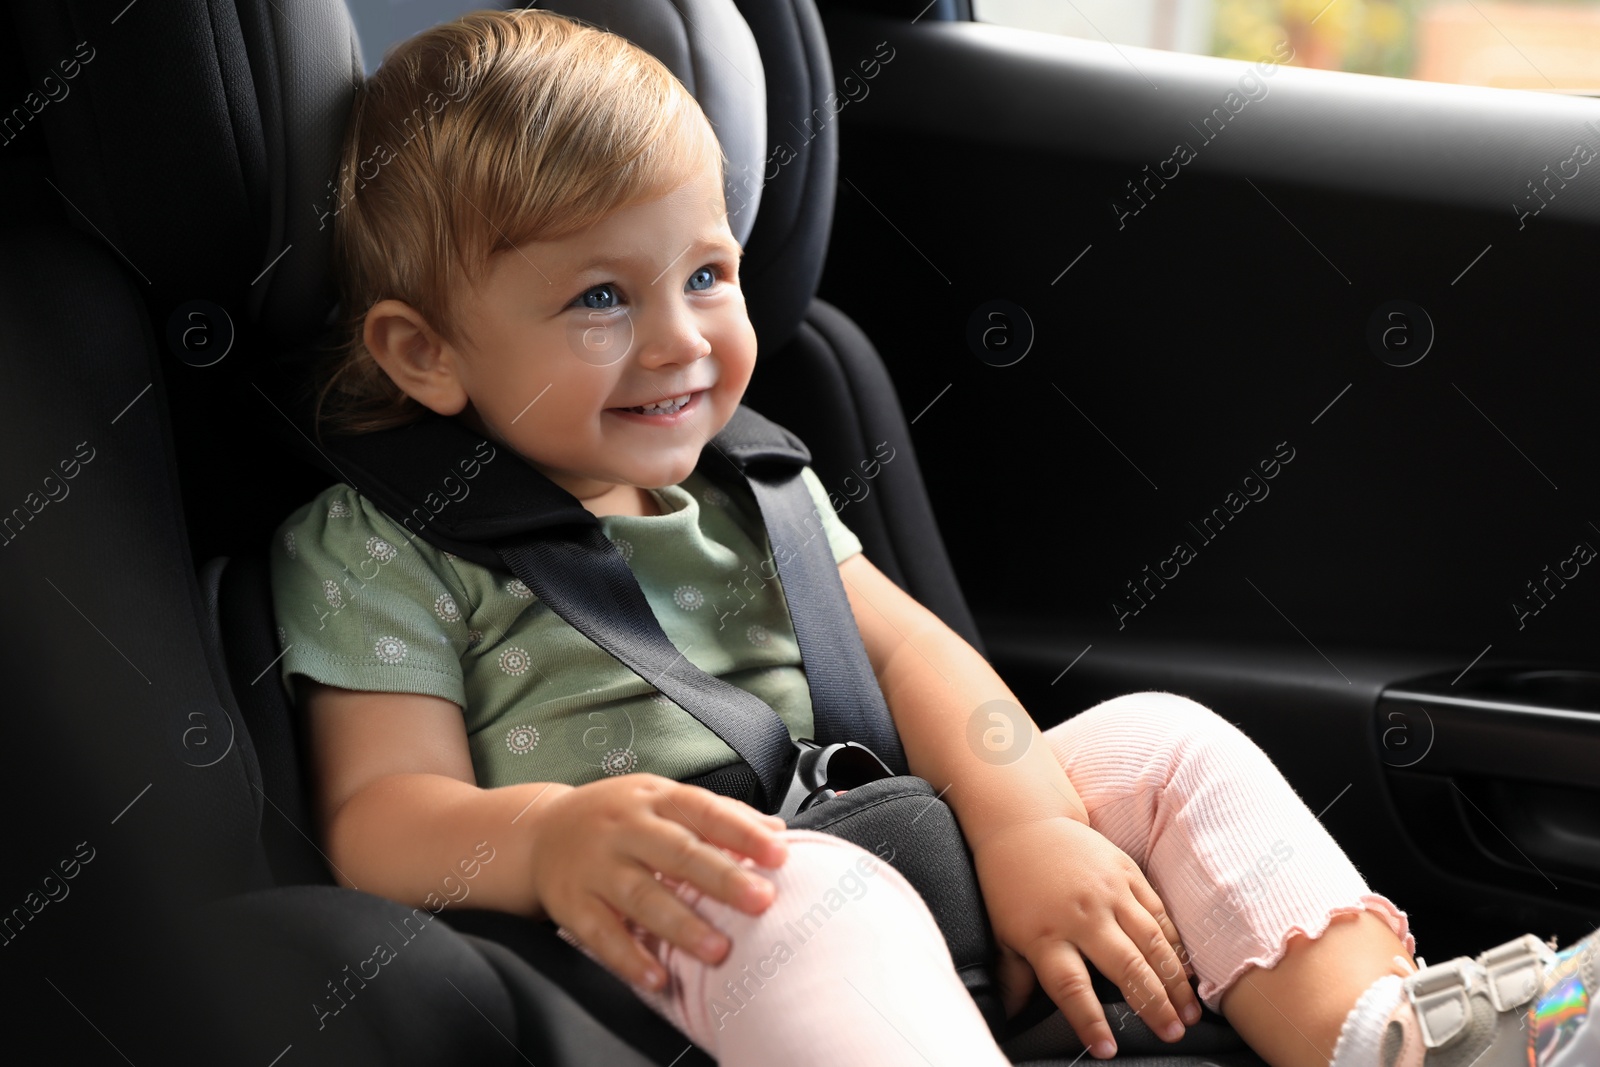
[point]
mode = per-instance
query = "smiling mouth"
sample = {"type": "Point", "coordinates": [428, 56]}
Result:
{"type": "Point", "coordinates": [669, 406]}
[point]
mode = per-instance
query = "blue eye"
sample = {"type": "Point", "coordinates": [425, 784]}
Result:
{"type": "Point", "coordinates": [586, 302]}
{"type": "Point", "coordinates": [595, 299]}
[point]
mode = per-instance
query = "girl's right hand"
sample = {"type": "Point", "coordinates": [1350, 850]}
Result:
{"type": "Point", "coordinates": [599, 848]}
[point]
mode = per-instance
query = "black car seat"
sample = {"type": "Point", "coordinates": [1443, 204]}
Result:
{"type": "Point", "coordinates": [166, 259]}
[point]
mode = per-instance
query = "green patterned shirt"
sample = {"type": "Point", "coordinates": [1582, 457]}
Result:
{"type": "Point", "coordinates": [360, 607]}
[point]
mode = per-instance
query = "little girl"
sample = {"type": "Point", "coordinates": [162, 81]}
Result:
{"type": "Point", "coordinates": [547, 257]}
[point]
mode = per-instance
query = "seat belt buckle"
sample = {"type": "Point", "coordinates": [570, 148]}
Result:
{"type": "Point", "coordinates": [822, 772]}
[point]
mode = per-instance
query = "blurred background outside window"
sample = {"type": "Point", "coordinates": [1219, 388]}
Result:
{"type": "Point", "coordinates": [381, 24]}
{"type": "Point", "coordinates": [1550, 45]}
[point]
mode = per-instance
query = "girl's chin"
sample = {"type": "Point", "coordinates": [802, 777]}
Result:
{"type": "Point", "coordinates": [664, 480]}
{"type": "Point", "coordinates": [657, 473]}
{"type": "Point", "coordinates": [661, 481]}
{"type": "Point", "coordinates": [661, 471]}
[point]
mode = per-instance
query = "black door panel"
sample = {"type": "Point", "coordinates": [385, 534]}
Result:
{"type": "Point", "coordinates": [1224, 323]}
{"type": "Point", "coordinates": [1501, 766]}
{"type": "Point", "coordinates": [1301, 422]}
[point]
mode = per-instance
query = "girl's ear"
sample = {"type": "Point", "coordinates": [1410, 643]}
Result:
{"type": "Point", "coordinates": [414, 357]}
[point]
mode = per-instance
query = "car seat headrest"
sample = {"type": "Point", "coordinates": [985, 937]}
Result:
{"type": "Point", "coordinates": [199, 140]}
{"type": "Point", "coordinates": [193, 140]}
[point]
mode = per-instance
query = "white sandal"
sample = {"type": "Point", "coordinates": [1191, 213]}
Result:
{"type": "Point", "coordinates": [1522, 1004]}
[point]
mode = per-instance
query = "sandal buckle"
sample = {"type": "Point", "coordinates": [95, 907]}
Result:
{"type": "Point", "coordinates": [1512, 972]}
{"type": "Point", "coordinates": [1438, 994]}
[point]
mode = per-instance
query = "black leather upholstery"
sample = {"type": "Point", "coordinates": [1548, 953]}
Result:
{"type": "Point", "coordinates": [240, 594]}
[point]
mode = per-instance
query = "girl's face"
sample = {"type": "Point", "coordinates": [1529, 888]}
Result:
{"type": "Point", "coordinates": [565, 337]}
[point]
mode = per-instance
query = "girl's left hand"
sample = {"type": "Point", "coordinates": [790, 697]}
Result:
{"type": "Point", "coordinates": [1058, 891]}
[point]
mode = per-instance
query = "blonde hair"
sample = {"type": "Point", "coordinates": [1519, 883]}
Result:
{"type": "Point", "coordinates": [472, 138]}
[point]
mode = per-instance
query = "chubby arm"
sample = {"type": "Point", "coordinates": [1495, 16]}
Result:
{"type": "Point", "coordinates": [398, 809]}
{"type": "Point", "coordinates": [934, 681]}
{"type": "Point", "coordinates": [400, 815]}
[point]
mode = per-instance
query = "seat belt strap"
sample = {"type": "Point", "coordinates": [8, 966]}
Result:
{"type": "Point", "coordinates": [585, 581]}
{"type": "Point", "coordinates": [846, 701]}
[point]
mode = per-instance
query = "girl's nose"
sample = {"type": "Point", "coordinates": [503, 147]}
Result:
{"type": "Point", "coordinates": [673, 337]}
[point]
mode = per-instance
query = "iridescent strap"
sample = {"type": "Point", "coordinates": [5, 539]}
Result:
{"type": "Point", "coordinates": [1558, 1019]}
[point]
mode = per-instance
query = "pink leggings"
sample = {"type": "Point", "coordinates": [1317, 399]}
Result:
{"type": "Point", "coordinates": [1238, 859]}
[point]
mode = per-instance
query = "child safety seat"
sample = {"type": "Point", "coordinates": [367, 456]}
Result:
{"type": "Point", "coordinates": [167, 279]}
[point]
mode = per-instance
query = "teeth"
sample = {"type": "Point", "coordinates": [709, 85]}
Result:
{"type": "Point", "coordinates": [664, 407]}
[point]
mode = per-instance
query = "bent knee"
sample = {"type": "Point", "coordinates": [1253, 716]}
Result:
{"type": "Point", "coordinates": [1168, 713]}
{"type": "Point", "coordinates": [1153, 703]}
{"type": "Point", "coordinates": [833, 871]}
{"type": "Point", "coordinates": [813, 854]}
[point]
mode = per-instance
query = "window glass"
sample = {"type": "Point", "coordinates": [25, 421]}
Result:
{"type": "Point", "coordinates": [381, 24]}
{"type": "Point", "coordinates": [1552, 45]}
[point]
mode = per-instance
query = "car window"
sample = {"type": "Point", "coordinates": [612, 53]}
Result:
{"type": "Point", "coordinates": [1550, 45]}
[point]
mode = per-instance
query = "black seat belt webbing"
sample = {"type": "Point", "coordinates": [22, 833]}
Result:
{"type": "Point", "coordinates": [846, 702]}
{"type": "Point", "coordinates": [588, 584]}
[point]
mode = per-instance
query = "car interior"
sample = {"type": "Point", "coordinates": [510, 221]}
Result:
{"type": "Point", "coordinates": [1045, 310]}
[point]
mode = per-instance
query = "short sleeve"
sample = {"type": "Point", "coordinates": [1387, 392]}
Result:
{"type": "Point", "coordinates": [841, 539]}
{"type": "Point", "coordinates": [360, 606]}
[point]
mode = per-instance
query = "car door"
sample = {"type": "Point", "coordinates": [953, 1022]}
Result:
{"type": "Point", "coordinates": [1269, 386]}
